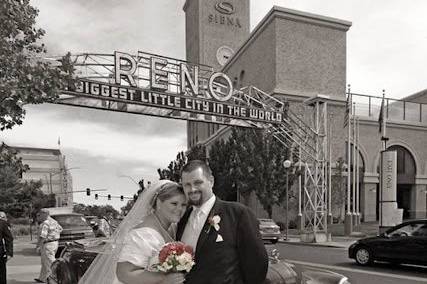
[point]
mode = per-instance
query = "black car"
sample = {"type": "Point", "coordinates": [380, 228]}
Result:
{"type": "Point", "coordinates": [74, 227]}
{"type": "Point", "coordinates": [78, 255]}
{"type": "Point", "coordinates": [404, 243]}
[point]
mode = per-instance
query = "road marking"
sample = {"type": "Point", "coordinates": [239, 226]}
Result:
{"type": "Point", "coordinates": [333, 267]}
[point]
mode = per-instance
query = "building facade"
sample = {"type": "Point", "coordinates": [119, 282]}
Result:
{"type": "Point", "coordinates": [295, 55]}
{"type": "Point", "coordinates": [48, 166]}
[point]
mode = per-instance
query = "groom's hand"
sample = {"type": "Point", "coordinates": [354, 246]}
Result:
{"type": "Point", "coordinates": [174, 278]}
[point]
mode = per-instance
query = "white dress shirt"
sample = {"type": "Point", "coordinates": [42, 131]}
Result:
{"type": "Point", "coordinates": [196, 221]}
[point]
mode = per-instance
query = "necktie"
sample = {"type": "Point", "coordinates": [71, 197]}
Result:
{"type": "Point", "coordinates": [196, 218]}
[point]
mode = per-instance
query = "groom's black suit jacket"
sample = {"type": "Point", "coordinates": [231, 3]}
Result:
{"type": "Point", "coordinates": [240, 258]}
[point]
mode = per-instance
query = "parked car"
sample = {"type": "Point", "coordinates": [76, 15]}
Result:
{"type": "Point", "coordinates": [74, 227]}
{"type": "Point", "coordinates": [404, 243]}
{"type": "Point", "coordinates": [269, 230]}
{"type": "Point", "coordinates": [76, 258]}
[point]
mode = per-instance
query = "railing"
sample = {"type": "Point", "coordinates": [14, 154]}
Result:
{"type": "Point", "coordinates": [395, 110]}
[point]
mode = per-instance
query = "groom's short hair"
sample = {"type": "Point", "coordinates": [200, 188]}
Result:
{"type": "Point", "coordinates": [195, 164]}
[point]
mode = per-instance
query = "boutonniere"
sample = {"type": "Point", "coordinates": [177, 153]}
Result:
{"type": "Point", "coordinates": [214, 223]}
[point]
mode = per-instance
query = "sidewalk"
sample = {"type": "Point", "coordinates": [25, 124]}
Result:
{"type": "Point", "coordinates": [338, 239]}
{"type": "Point", "coordinates": [25, 265]}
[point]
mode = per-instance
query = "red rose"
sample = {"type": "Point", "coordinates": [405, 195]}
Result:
{"type": "Point", "coordinates": [176, 248]}
{"type": "Point", "coordinates": [163, 254]}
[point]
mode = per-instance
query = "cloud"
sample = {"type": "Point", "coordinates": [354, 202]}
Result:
{"type": "Point", "coordinates": [104, 140]}
{"type": "Point", "coordinates": [117, 122]}
{"type": "Point", "coordinates": [105, 26]}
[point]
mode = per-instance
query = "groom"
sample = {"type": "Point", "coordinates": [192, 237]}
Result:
{"type": "Point", "coordinates": [225, 235]}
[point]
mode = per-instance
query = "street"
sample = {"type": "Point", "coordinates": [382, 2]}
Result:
{"type": "Point", "coordinates": [25, 265]}
{"type": "Point", "coordinates": [335, 259]}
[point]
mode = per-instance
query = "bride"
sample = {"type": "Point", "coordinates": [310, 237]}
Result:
{"type": "Point", "coordinates": [135, 245]}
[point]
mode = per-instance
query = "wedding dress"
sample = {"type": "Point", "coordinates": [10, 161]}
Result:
{"type": "Point", "coordinates": [139, 246]}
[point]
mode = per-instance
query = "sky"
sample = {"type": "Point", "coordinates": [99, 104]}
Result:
{"type": "Point", "coordinates": [386, 49]}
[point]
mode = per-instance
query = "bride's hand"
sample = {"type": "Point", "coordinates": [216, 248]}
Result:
{"type": "Point", "coordinates": [174, 278]}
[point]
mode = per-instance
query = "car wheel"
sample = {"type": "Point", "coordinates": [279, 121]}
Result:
{"type": "Point", "coordinates": [274, 241]}
{"type": "Point", "coordinates": [363, 256]}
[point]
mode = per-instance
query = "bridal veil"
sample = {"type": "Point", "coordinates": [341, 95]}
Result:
{"type": "Point", "coordinates": [103, 268]}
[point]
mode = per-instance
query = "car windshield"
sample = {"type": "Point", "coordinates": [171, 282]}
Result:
{"type": "Point", "coordinates": [70, 220]}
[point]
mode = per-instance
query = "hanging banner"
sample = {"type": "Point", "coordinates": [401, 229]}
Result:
{"type": "Point", "coordinates": [390, 215]}
{"type": "Point", "coordinates": [389, 176]}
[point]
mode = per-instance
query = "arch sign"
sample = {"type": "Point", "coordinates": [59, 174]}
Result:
{"type": "Point", "coordinates": [150, 84]}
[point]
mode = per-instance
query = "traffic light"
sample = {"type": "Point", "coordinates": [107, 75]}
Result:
{"type": "Point", "coordinates": [109, 196]}
{"type": "Point", "coordinates": [88, 191]}
{"type": "Point", "coordinates": [121, 197]}
{"type": "Point", "coordinates": [96, 196]}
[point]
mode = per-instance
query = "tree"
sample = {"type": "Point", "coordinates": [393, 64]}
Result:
{"type": "Point", "coordinates": [17, 198]}
{"type": "Point", "coordinates": [339, 192]}
{"type": "Point", "coordinates": [221, 163]}
{"type": "Point", "coordinates": [125, 209]}
{"type": "Point", "coordinates": [26, 78]}
{"type": "Point", "coordinates": [173, 171]}
{"type": "Point", "coordinates": [11, 169]}
{"type": "Point", "coordinates": [96, 210]}
{"type": "Point", "coordinates": [29, 199]}
{"type": "Point", "coordinates": [251, 160]}
{"type": "Point", "coordinates": [197, 152]}
{"type": "Point", "coordinates": [258, 166]}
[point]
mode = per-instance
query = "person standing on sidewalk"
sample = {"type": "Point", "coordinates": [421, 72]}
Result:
{"type": "Point", "coordinates": [48, 243]}
{"type": "Point", "coordinates": [6, 248]}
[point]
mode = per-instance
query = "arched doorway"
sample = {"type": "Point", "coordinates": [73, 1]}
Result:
{"type": "Point", "coordinates": [406, 171]}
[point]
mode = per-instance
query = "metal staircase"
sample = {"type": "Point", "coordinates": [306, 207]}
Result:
{"type": "Point", "coordinates": [309, 144]}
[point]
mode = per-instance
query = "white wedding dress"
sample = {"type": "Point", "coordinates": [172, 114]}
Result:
{"type": "Point", "coordinates": [141, 247]}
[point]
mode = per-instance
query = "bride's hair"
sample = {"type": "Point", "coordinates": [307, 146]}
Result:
{"type": "Point", "coordinates": [166, 191]}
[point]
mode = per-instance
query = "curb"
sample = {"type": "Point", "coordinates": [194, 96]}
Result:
{"type": "Point", "coordinates": [298, 243]}
{"type": "Point", "coordinates": [295, 240]}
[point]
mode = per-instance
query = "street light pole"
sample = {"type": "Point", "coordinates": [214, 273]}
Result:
{"type": "Point", "coordinates": [287, 164]}
{"type": "Point", "coordinates": [300, 166]}
{"type": "Point", "coordinates": [63, 171]}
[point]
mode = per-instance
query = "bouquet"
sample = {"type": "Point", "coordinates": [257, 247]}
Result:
{"type": "Point", "coordinates": [175, 257]}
